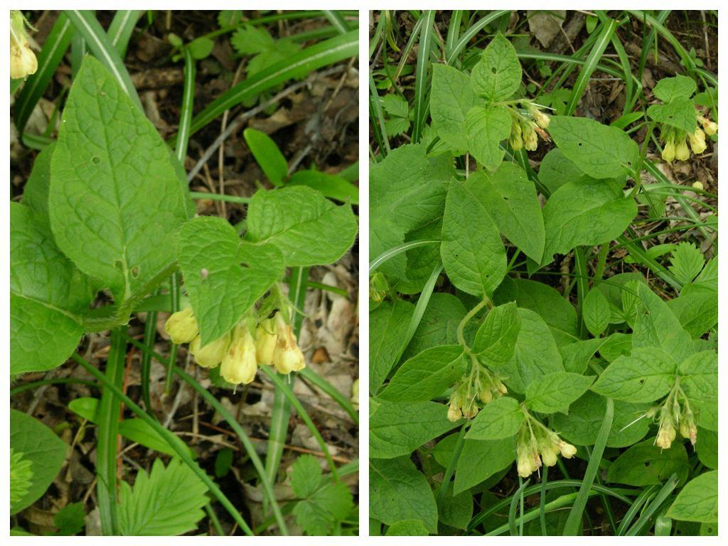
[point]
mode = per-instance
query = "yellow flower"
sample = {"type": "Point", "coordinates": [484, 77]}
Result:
{"type": "Point", "coordinates": [454, 414]}
{"type": "Point", "coordinates": [682, 153]}
{"type": "Point", "coordinates": [665, 435]}
{"type": "Point", "coordinates": [710, 127]}
{"type": "Point", "coordinates": [567, 450]}
{"type": "Point", "coordinates": [530, 140]}
{"type": "Point", "coordinates": [668, 152]}
{"type": "Point", "coordinates": [697, 141]}
{"type": "Point", "coordinates": [287, 356]}
{"type": "Point", "coordinates": [22, 59]}
{"type": "Point", "coordinates": [541, 119]}
{"type": "Point", "coordinates": [239, 364]}
{"type": "Point", "coordinates": [525, 464]}
{"type": "Point", "coordinates": [265, 342]}
{"type": "Point", "coordinates": [211, 354]}
{"type": "Point", "coordinates": [182, 326]}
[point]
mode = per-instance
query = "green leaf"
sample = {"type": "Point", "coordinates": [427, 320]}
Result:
{"type": "Point", "coordinates": [108, 160]}
{"type": "Point", "coordinates": [439, 323]}
{"type": "Point", "coordinates": [69, 520]}
{"type": "Point", "coordinates": [481, 459]}
{"type": "Point", "coordinates": [426, 375]}
{"type": "Point", "coordinates": [686, 262]}
{"type": "Point", "coordinates": [398, 429]}
{"type": "Point", "coordinates": [21, 477]}
{"type": "Point", "coordinates": [707, 448]}
{"type": "Point", "coordinates": [596, 312]}
{"type": "Point", "coordinates": [201, 48]}
{"type": "Point", "coordinates": [696, 310]}
{"type": "Point", "coordinates": [229, 17]}
{"type": "Point", "coordinates": [268, 156]}
{"type": "Point", "coordinates": [35, 193]}
{"type": "Point", "coordinates": [388, 325]}
{"type": "Point", "coordinates": [221, 290]}
{"type": "Point", "coordinates": [536, 353]}
{"type": "Point", "coordinates": [647, 464]}
{"type": "Point", "coordinates": [166, 502]}
{"type": "Point", "coordinates": [407, 528]}
{"type": "Point", "coordinates": [485, 129]}
{"type": "Point", "coordinates": [499, 419]}
{"type": "Point", "coordinates": [577, 355]}
{"type": "Point", "coordinates": [42, 448]}
{"type": "Point", "coordinates": [305, 476]}
{"type": "Point", "coordinates": [512, 202]}
{"type": "Point", "coordinates": [679, 113]}
{"type": "Point", "coordinates": [497, 76]}
{"type": "Point", "coordinates": [698, 500]}
{"type": "Point", "coordinates": [699, 381]}
{"type": "Point", "coordinates": [332, 186]}
{"type": "Point", "coordinates": [581, 425]}
{"type": "Point", "coordinates": [318, 514]}
{"type": "Point", "coordinates": [456, 511]}
{"type": "Point", "coordinates": [645, 376]}
{"type": "Point", "coordinates": [451, 98]}
{"type": "Point", "coordinates": [555, 170]}
{"type": "Point", "coordinates": [495, 341]}
{"type": "Point", "coordinates": [399, 492]}
{"type": "Point", "coordinates": [472, 250]}
{"type": "Point", "coordinates": [657, 326]}
{"type": "Point", "coordinates": [585, 213]}
{"type": "Point", "coordinates": [397, 126]}
{"type": "Point", "coordinates": [668, 89]}
{"type": "Point", "coordinates": [47, 295]}
{"type": "Point", "coordinates": [250, 40]}
{"type": "Point", "coordinates": [307, 228]}
{"type": "Point", "coordinates": [556, 391]}
{"type": "Point", "coordinates": [601, 151]}
{"type": "Point", "coordinates": [396, 106]}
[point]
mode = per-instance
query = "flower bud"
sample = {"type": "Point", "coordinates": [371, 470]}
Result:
{"type": "Point", "coordinates": [471, 412]}
{"type": "Point", "coordinates": [541, 119]}
{"type": "Point", "coordinates": [454, 414]}
{"type": "Point", "coordinates": [239, 364]}
{"type": "Point", "coordinates": [23, 62]}
{"type": "Point", "coordinates": [211, 354]}
{"type": "Point", "coordinates": [182, 326]}
{"type": "Point", "coordinates": [525, 466]}
{"type": "Point", "coordinates": [682, 153]}
{"type": "Point", "coordinates": [697, 141]}
{"type": "Point", "coordinates": [710, 127]}
{"type": "Point", "coordinates": [698, 185]}
{"type": "Point", "coordinates": [501, 387]}
{"type": "Point", "coordinates": [530, 140]}
{"type": "Point", "coordinates": [287, 356]}
{"type": "Point", "coordinates": [665, 435]}
{"type": "Point", "coordinates": [485, 395]}
{"type": "Point", "coordinates": [265, 342]}
{"type": "Point", "coordinates": [548, 455]}
{"type": "Point", "coordinates": [668, 152]}
{"type": "Point", "coordinates": [567, 450]}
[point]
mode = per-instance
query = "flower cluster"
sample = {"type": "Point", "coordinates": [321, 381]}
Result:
{"type": "Point", "coordinates": [240, 352]}
{"type": "Point", "coordinates": [674, 417]}
{"type": "Point", "coordinates": [537, 445]}
{"type": "Point", "coordinates": [525, 130]}
{"type": "Point", "coordinates": [676, 140]}
{"type": "Point", "coordinates": [22, 59]}
{"type": "Point", "coordinates": [482, 385]}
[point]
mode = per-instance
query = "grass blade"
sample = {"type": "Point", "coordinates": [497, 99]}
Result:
{"type": "Point", "coordinates": [392, 252]}
{"type": "Point", "coordinates": [337, 21]}
{"type": "Point", "coordinates": [121, 29]}
{"type": "Point", "coordinates": [421, 100]}
{"type": "Point", "coordinates": [574, 521]}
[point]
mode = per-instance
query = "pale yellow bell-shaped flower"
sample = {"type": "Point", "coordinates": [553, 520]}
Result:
{"type": "Point", "coordinates": [265, 342]}
{"type": "Point", "coordinates": [287, 356]}
{"type": "Point", "coordinates": [668, 152]}
{"type": "Point", "coordinates": [240, 364]}
{"type": "Point", "coordinates": [567, 450]}
{"type": "Point", "coordinates": [182, 326]}
{"type": "Point", "coordinates": [697, 141]}
{"type": "Point", "coordinates": [211, 354]}
{"type": "Point", "coordinates": [682, 153]}
{"type": "Point", "coordinates": [23, 62]}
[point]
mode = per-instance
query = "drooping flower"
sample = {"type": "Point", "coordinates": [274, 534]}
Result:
{"type": "Point", "coordinates": [697, 141]}
{"type": "Point", "coordinates": [541, 119]}
{"type": "Point", "coordinates": [287, 355]}
{"type": "Point", "coordinates": [567, 450]}
{"type": "Point", "coordinates": [668, 152]}
{"type": "Point", "coordinates": [211, 354]}
{"type": "Point", "coordinates": [182, 326]}
{"type": "Point", "coordinates": [23, 62]}
{"type": "Point", "coordinates": [265, 342]}
{"type": "Point", "coordinates": [239, 364]}
{"type": "Point", "coordinates": [682, 153]}
{"type": "Point", "coordinates": [710, 127]}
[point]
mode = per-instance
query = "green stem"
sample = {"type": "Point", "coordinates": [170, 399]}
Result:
{"type": "Point", "coordinates": [463, 323]}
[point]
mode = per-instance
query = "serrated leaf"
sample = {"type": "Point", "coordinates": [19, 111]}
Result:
{"type": "Point", "coordinates": [305, 476]}
{"type": "Point", "coordinates": [699, 381]}
{"type": "Point", "coordinates": [645, 376]}
{"type": "Point", "coordinates": [512, 202]}
{"type": "Point", "coordinates": [250, 40]}
{"type": "Point", "coordinates": [388, 324]}
{"type": "Point", "coordinates": [601, 151]}
{"type": "Point", "coordinates": [581, 425]}
{"type": "Point", "coordinates": [472, 250]}
{"type": "Point", "coordinates": [109, 159]}
{"type": "Point", "coordinates": [497, 76]}
{"type": "Point", "coordinates": [69, 520]}
{"type": "Point", "coordinates": [647, 464]}
{"type": "Point", "coordinates": [396, 106]}
{"type": "Point", "coordinates": [585, 213]}
{"type": "Point", "coordinates": [481, 459]}
{"type": "Point", "coordinates": [679, 113]}
{"type": "Point", "coordinates": [495, 341]}
{"type": "Point", "coordinates": [168, 501]}
{"type": "Point", "coordinates": [499, 419]}
{"type": "Point", "coordinates": [399, 492]}
{"type": "Point", "coordinates": [398, 429]}
{"type": "Point", "coordinates": [686, 262]}
{"type": "Point", "coordinates": [268, 156]}
{"type": "Point", "coordinates": [426, 375]}
{"type": "Point", "coordinates": [318, 514]}
{"type": "Point", "coordinates": [485, 128]}
{"type": "Point", "coordinates": [596, 312]}
{"type": "Point", "coordinates": [397, 126]}
{"type": "Point", "coordinates": [556, 391]}
{"type": "Point", "coordinates": [668, 89]}
{"type": "Point", "coordinates": [698, 500]}
{"type": "Point", "coordinates": [45, 451]}
{"type": "Point", "coordinates": [307, 228]}
{"type": "Point", "coordinates": [536, 353]}
{"type": "Point", "coordinates": [451, 98]}
{"type": "Point", "coordinates": [224, 275]}
{"type": "Point", "coordinates": [21, 477]}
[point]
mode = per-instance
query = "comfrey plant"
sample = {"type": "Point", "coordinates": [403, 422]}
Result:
{"type": "Point", "coordinates": [485, 378]}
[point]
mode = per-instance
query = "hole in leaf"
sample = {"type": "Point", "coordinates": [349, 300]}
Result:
{"type": "Point", "coordinates": [135, 271]}
{"type": "Point", "coordinates": [96, 159]}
